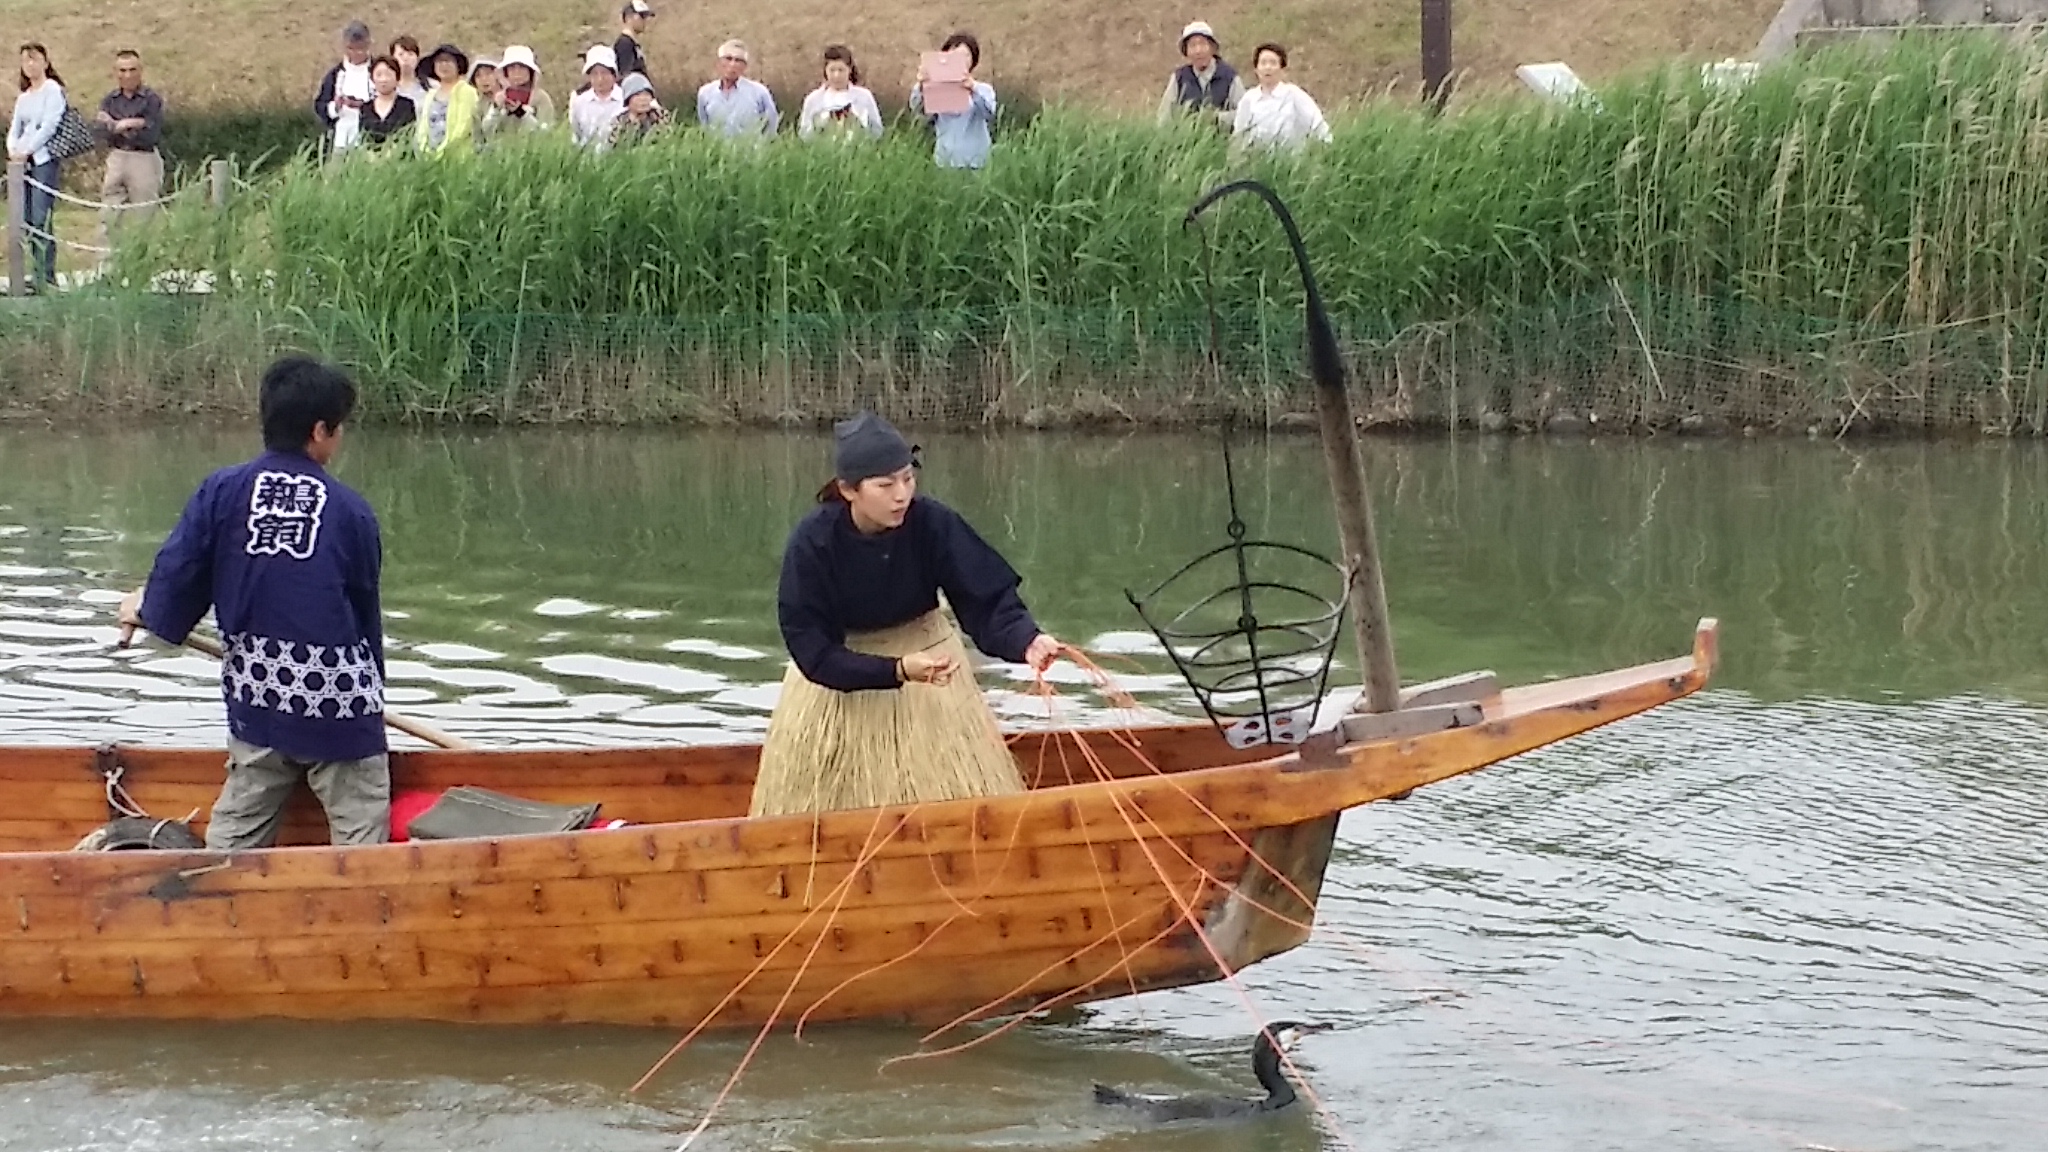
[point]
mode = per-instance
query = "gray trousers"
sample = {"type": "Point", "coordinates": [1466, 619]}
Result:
{"type": "Point", "coordinates": [132, 178]}
{"type": "Point", "coordinates": [355, 793]}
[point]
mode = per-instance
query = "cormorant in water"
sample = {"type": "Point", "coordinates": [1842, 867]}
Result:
{"type": "Point", "coordinates": [1266, 1049]}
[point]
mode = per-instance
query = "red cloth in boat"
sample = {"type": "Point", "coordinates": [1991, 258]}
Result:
{"type": "Point", "coordinates": [406, 805]}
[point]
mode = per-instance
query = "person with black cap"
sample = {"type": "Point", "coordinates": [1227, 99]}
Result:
{"type": "Point", "coordinates": [633, 20]}
{"type": "Point", "coordinates": [879, 705]}
{"type": "Point", "coordinates": [448, 118]}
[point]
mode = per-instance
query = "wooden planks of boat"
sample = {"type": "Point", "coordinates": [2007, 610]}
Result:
{"type": "Point", "coordinates": [1153, 870]}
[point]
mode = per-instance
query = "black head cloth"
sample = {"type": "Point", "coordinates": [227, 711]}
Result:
{"type": "Point", "coordinates": [866, 446]}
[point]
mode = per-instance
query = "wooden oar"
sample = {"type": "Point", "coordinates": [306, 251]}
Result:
{"type": "Point", "coordinates": [410, 727]}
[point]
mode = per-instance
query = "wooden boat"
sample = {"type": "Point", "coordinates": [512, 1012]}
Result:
{"type": "Point", "coordinates": [1188, 860]}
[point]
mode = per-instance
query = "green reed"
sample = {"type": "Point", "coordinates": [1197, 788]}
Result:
{"type": "Point", "coordinates": [1867, 190]}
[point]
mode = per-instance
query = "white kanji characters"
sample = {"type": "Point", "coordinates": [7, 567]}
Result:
{"type": "Point", "coordinates": [284, 515]}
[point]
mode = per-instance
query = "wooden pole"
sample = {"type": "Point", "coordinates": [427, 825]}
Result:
{"type": "Point", "coordinates": [1436, 53]}
{"type": "Point", "coordinates": [410, 727]}
{"type": "Point", "coordinates": [1366, 594]}
{"type": "Point", "coordinates": [218, 178]}
{"type": "Point", "coordinates": [17, 221]}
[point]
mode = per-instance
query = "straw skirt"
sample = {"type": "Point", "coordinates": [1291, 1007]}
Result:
{"type": "Point", "coordinates": [828, 750]}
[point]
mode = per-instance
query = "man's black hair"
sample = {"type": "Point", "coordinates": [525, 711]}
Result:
{"type": "Point", "coordinates": [964, 40]}
{"type": "Point", "coordinates": [299, 393]}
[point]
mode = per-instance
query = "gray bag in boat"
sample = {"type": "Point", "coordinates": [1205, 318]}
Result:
{"type": "Point", "coordinates": [466, 813]}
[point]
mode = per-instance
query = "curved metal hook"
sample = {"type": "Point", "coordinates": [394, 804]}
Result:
{"type": "Point", "coordinates": [1326, 362]}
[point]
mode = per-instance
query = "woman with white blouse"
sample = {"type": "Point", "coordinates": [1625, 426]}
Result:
{"type": "Point", "coordinates": [37, 114]}
{"type": "Point", "coordinates": [839, 105]}
{"type": "Point", "coordinates": [1277, 113]}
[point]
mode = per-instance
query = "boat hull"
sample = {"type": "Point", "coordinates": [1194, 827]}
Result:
{"type": "Point", "coordinates": [1118, 873]}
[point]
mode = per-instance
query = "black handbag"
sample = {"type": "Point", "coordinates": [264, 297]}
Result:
{"type": "Point", "coordinates": [73, 138]}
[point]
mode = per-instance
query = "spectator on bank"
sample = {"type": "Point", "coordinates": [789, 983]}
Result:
{"type": "Point", "coordinates": [37, 113]}
{"type": "Point", "coordinates": [593, 111]}
{"type": "Point", "coordinates": [633, 20]}
{"type": "Point", "coordinates": [733, 105]}
{"type": "Point", "coordinates": [522, 105]}
{"type": "Point", "coordinates": [483, 76]}
{"type": "Point", "coordinates": [448, 119]}
{"type": "Point", "coordinates": [1206, 84]}
{"type": "Point", "coordinates": [131, 120]}
{"type": "Point", "coordinates": [390, 114]}
{"type": "Point", "coordinates": [345, 89]}
{"type": "Point", "coordinates": [963, 138]}
{"type": "Point", "coordinates": [1276, 113]}
{"type": "Point", "coordinates": [406, 51]}
{"type": "Point", "coordinates": [840, 106]}
{"type": "Point", "coordinates": [642, 117]}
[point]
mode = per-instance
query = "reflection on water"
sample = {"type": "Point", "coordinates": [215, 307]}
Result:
{"type": "Point", "coordinates": [1800, 911]}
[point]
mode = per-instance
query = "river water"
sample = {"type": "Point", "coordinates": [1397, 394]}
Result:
{"type": "Point", "coordinates": [1803, 910]}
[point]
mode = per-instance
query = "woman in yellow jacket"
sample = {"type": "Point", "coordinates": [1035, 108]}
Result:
{"type": "Point", "coordinates": [447, 115]}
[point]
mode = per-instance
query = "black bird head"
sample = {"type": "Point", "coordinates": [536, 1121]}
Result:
{"type": "Point", "coordinates": [1284, 1033]}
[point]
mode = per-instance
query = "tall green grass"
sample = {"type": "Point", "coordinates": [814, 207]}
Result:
{"type": "Point", "coordinates": [1863, 194]}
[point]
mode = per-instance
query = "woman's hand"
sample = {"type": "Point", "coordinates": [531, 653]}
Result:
{"type": "Point", "coordinates": [1042, 652]}
{"type": "Point", "coordinates": [920, 668]}
{"type": "Point", "coordinates": [129, 614]}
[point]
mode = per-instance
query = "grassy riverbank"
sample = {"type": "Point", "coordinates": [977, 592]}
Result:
{"type": "Point", "coordinates": [1855, 239]}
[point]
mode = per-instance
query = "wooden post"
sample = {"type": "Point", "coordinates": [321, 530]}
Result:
{"type": "Point", "coordinates": [219, 180]}
{"type": "Point", "coordinates": [1367, 592]}
{"type": "Point", "coordinates": [17, 220]}
{"type": "Point", "coordinates": [1371, 626]}
{"type": "Point", "coordinates": [1436, 52]}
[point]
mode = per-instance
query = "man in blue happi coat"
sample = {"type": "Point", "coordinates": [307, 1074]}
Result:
{"type": "Point", "coordinates": [288, 559]}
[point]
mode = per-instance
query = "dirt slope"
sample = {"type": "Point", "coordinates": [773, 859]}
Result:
{"type": "Point", "coordinates": [240, 52]}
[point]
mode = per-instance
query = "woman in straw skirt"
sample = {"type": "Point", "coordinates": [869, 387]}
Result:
{"type": "Point", "coordinates": [879, 705]}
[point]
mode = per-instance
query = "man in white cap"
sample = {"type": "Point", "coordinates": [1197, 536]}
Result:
{"type": "Point", "coordinates": [1205, 84]}
{"type": "Point", "coordinates": [733, 105]}
{"type": "Point", "coordinates": [633, 20]}
{"type": "Point", "coordinates": [593, 110]}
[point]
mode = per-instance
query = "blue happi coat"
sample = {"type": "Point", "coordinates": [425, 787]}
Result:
{"type": "Point", "coordinates": [288, 558]}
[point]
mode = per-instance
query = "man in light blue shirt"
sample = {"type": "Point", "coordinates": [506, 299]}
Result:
{"type": "Point", "coordinates": [962, 137]}
{"type": "Point", "coordinates": [733, 105]}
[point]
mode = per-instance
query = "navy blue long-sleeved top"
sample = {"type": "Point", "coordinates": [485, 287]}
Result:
{"type": "Point", "coordinates": [836, 580]}
{"type": "Point", "coordinates": [289, 559]}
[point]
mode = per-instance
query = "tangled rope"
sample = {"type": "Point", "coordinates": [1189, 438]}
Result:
{"type": "Point", "coordinates": [1150, 839]}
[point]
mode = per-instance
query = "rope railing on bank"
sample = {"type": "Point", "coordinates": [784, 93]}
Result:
{"type": "Point", "coordinates": [19, 232]}
{"type": "Point", "coordinates": [102, 205]}
{"type": "Point", "coordinates": [34, 232]}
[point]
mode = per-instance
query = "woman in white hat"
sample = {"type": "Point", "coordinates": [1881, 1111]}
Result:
{"type": "Point", "coordinates": [522, 105]}
{"type": "Point", "coordinates": [840, 106]}
{"type": "Point", "coordinates": [593, 111]}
